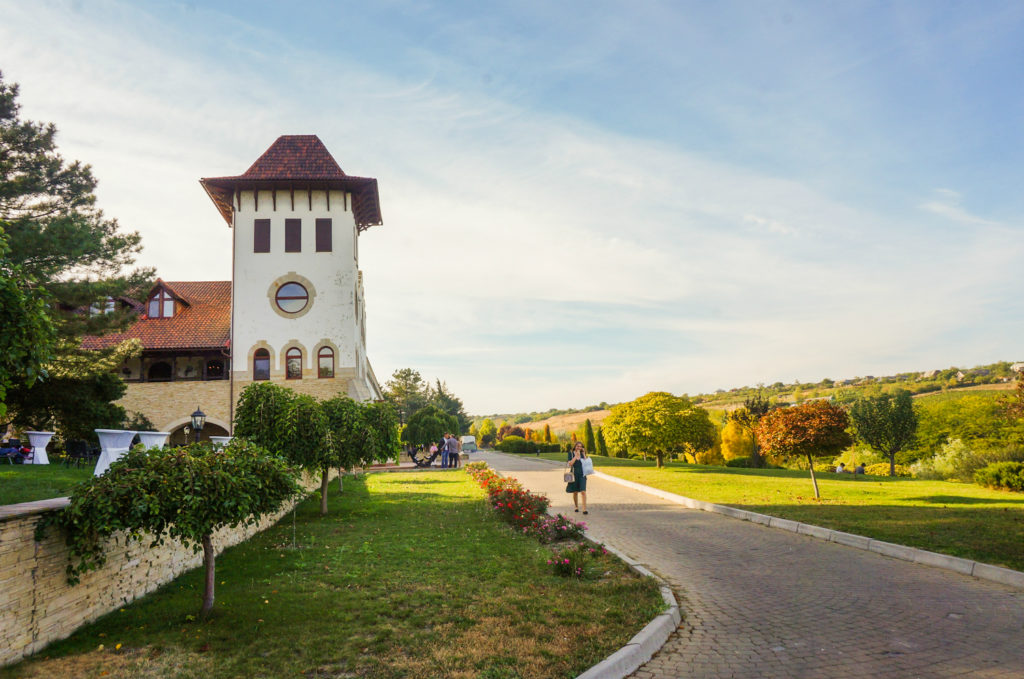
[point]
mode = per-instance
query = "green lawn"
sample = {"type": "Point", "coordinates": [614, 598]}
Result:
{"type": "Point", "coordinates": [960, 519]}
{"type": "Point", "coordinates": [411, 575]}
{"type": "Point", "coordinates": [28, 482]}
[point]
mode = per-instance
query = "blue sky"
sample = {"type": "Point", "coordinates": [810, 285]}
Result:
{"type": "Point", "coordinates": [584, 202]}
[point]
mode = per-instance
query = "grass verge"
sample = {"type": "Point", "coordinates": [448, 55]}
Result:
{"type": "Point", "coordinates": [959, 519]}
{"type": "Point", "coordinates": [410, 575]}
{"type": "Point", "coordinates": [30, 482]}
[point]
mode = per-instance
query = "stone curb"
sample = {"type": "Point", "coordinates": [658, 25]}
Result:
{"type": "Point", "coordinates": [647, 641]}
{"type": "Point", "coordinates": [982, 571]}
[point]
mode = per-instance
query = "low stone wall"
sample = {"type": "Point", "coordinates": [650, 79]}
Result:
{"type": "Point", "coordinates": [38, 606]}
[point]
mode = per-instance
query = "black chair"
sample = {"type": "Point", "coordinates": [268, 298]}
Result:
{"type": "Point", "coordinates": [76, 451]}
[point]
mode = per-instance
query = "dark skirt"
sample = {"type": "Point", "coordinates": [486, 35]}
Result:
{"type": "Point", "coordinates": [579, 481]}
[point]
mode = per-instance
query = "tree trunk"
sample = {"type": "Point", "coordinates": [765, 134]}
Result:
{"type": "Point", "coordinates": [810, 462]}
{"type": "Point", "coordinates": [755, 457]}
{"type": "Point", "coordinates": [326, 479]}
{"type": "Point", "coordinates": [661, 459]}
{"type": "Point", "coordinates": [341, 484]}
{"type": "Point", "coordinates": [208, 561]}
{"type": "Point", "coordinates": [892, 464]}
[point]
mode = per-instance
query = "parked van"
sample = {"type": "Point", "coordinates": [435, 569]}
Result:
{"type": "Point", "coordinates": [468, 444]}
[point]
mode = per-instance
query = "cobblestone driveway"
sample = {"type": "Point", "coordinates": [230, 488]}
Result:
{"type": "Point", "coordinates": [765, 603]}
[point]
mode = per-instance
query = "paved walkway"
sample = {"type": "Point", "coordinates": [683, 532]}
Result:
{"type": "Point", "coordinates": [764, 603]}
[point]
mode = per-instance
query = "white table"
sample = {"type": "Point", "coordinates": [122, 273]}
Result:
{"type": "Point", "coordinates": [220, 441]}
{"type": "Point", "coordinates": [39, 440]}
{"type": "Point", "coordinates": [153, 439]}
{"type": "Point", "coordinates": [114, 443]}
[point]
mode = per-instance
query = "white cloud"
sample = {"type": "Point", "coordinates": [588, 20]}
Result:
{"type": "Point", "coordinates": [667, 269]}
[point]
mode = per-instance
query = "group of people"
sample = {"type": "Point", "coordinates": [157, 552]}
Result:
{"type": "Point", "coordinates": [450, 447]}
{"type": "Point", "coordinates": [841, 469]}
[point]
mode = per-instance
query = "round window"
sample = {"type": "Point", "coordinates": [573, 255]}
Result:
{"type": "Point", "coordinates": [292, 298]}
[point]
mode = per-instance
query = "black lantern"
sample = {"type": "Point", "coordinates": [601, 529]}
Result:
{"type": "Point", "coordinates": [198, 422]}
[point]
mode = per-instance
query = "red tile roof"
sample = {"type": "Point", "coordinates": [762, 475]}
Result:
{"type": "Point", "coordinates": [203, 322]}
{"type": "Point", "coordinates": [298, 161]}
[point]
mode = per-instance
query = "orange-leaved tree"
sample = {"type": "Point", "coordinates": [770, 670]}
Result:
{"type": "Point", "coordinates": [811, 429]}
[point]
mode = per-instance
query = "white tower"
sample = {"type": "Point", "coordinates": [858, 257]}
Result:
{"type": "Point", "coordinates": [298, 314]}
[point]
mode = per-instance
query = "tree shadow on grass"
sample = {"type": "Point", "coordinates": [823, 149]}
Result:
{"type": "Point", "coordinates": [958, 500]}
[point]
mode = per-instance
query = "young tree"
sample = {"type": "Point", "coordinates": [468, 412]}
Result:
{"type": "Point", "coordinates": [589, 442]}
{"type": "Point", "coordinates": [747, 417]}
{"type": "Point", "coordinates": [261, 410]}
{"type": "Point", "coordinates": [661, 423]}
{"type": "Point", "coordinates": [488, 433]}
{"type": "Point", "coordinates": [182, 493]}
{"type": "Point", "coordinates": [347, 429]}
{"type": "Point", "coordinates": [737, 441]}
{"type": "Point", "coordinates": [306, 440]}
{"type": "Point", "coordinates": [886, 423]}
{"type": "Point", "coordinates": [380, 442]}
{"type": "Point", "coordinates": [811, 429]}
{"type": "Point", "coordinates": [547, 434]}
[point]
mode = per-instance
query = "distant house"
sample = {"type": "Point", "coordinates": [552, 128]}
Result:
{"type": "Point", "coordinates": [1017, 367]}
{"type": "Point", "coordinates": [929, 374]}
{"type": "Point", "coordinates": [960, 375]}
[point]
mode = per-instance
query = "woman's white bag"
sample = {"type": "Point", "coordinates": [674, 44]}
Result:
{"type": "Point", "coordinates": [588, 466]}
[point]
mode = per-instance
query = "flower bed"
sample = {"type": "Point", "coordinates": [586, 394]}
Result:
{"type": "Point", "coordinates": [527, 512]}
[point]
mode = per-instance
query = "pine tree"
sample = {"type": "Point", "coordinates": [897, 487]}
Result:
{"type": "Point", "coordinates": [602, 447]}
{"type": "Point", "coordinates": [589, 442]}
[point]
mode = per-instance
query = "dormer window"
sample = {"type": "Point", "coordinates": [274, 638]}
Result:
{"type": "Point", "coordinates": [161, 304]}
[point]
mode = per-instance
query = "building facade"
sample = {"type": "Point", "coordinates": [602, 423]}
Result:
{"type": "Point", "coordinates": [294, 311]}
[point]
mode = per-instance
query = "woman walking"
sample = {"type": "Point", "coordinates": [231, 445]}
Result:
{"type": "Point", "coordinates": [578, 485]}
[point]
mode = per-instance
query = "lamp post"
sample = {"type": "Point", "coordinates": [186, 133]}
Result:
{"type": "Point", "coordinates": [198, 422]}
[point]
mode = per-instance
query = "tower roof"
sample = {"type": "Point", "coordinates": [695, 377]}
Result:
{"type": "Point", "coordinates": [298, 161]}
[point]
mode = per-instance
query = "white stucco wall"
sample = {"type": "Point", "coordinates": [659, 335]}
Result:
{"type": "Point", "coordinates": [331, 313]}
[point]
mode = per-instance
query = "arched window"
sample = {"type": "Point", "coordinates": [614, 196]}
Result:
{"type": "Point", "coordinates": [159, 372]}
{"type": "Point", "coordinates": [261, 365]}
{"type": "Point", "coordinates": [161, 304]}
{"type": "Point", "coordinates": [291, 298]}
{"type": "Point", "coordinates": [293, 364]}
{"type": "Point", "coordinates": [325, 362]}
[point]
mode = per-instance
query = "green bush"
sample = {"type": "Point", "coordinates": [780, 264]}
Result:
{"type": "Point", "coordinates": [517, 444]}
{"type": "Point", "coordinates": [958, 460]}
{"type": "Point", "coordinates": [743, 462]}
{"type": "Point", "coordinates": [1006, 475]}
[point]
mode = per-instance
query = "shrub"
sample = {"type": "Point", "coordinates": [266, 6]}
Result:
{"type": "Point", "coordinates": [558, 528]}
{"type": "Point", "coordinates": [519, 445]}
{"type": "Point", "coordinates": [579, 561]}
{"type": "Point", "coordinates": [959, 461]}
{"type": "Point", "coordinates": [1005, 475]}
{"type": "Point", "coordinates": [744, 462]}
{"type": "Point", "coordinates": [882, 469]}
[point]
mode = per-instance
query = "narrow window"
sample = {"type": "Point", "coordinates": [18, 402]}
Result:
{"type": "Point", "coordinates": [323, 235]}
{"type": "Point", "coordinates": [261, 236]}
{"type": "Point", "coordinates": [293, 235]}
{"type": "Point", "coordinates": [261, 365]}
{"type": "Point", "coordinates": [325, 362]}
{"type": "Point", "coordinates": [293, 364]}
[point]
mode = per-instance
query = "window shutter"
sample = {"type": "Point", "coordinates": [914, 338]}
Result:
{"type": "Point", "coordinates": [323, 235]}
{"type": "Point", "coordinates": [261, 236]}
{"type": "Point", "coordinates": [293, 235]}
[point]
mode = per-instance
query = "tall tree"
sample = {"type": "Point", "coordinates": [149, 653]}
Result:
{"type": "Point", "coordinates": [63, 249]}
{"type": "Point", "coordinates": [660, 423]}
{"type": "Point", "coordinates": [447, 401]}
{"type": "Point", "coordinates": [589, 442]}
{"type": "Point", "coordinates": [547, 434]}
{"type": "Point", "coordinates": [602, 447]}
{"type": "Point", "coordinates": [27, 338]}
{"type": "Point", "coordinates": [887, 423]}
{"type": "Point", "coordinates": [407, 392]}
{"type": "Point", "coordinates": [428, 425]}
{"type": "Point", "coordinates": [811, 429]}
